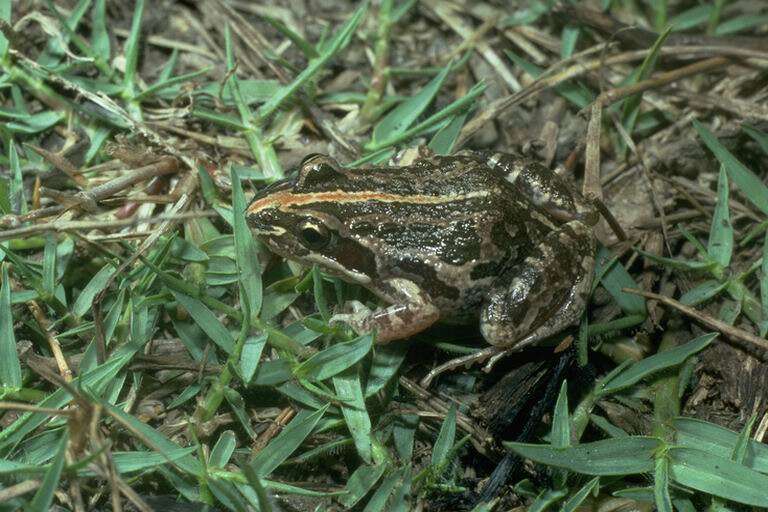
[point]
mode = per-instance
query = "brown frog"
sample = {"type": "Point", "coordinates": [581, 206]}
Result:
{"type": "Point", "coordinates": [491, 237]}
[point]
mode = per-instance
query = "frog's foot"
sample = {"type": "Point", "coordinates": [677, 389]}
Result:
{"type": "Point", "coordinates": [411, 311]}
{"type": "Point", "coordinates": [544, 294]}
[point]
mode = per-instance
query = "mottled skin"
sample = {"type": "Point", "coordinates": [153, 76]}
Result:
{"type": "Point", "coordinates": [487, 236]}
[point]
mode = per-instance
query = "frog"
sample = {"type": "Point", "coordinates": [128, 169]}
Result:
{"type": "Point", "coordinates": [494, 238]}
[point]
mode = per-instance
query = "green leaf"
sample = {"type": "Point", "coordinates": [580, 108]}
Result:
{"type": "Point", "coordinates": [760, 137]}
{"type": "Point", "coordinates": [360, 482]}
{"type": "Point", "coordinates": [703, 292]}
{"type": "Point", "coordinates": [334, 359]}
{"type": "Point", "coordinates": [157, 442]}
{"type": "Point", "coordinates": [207, 321]}
{"type": "Point", "coordinates": [10, 368]}
{"type": "Point", "coordinates": [719, 442]}
{"type": "Point", "coordinates": [378, 501]}
{"type": "Point", "coordinates": [385, 363]}
{"type": "Point", "coordinates": [44, 495]}
{"type": "Point", "coordinates": [99, 35]}
{"type": "Point", "coordinates": [445, 439]}
{"type": "Point", "coordinates": [720, 244]}
{"type": "Point", "coordinates": [350, 392]}
{"type": "Point", "coordinates": [84, 301]}
{"type": "Point", "coordinates": [442, 142]}
{"type": "Point", "coordinates": [17, 199]}
{"type": "Point", "coordinates": [251, 355]}
{"type": "Point", "coordinates": [132, 47]}
{"type": "Point", "coordinates": [623, 456]}
{"type": "Point", "coordinates": [223, 449]}
{"type": "Point", "coordinates": [661, 485]}
{"type": "Point", "coordinates": [656, 362]}
{"type": "Point", "coordinates": [404, 115]}
{"type": "Point", "coordinates": [614, 277]}
{"type": "Point", "coordinates": [328, 51]}
{"type": "Point", "coordinates": [428, 124]}
{"type": "Point", "coordinates": [632, 104]}
{"type": "Point", "coordinates": [749, 184]}
{"type": "Point", "coordinates": [721, 477]}
{"type": "Point", "coordinates": [572, 504]}
{"type": "Point", "coordinates": [740, 23]}
{"type": "Point", "coordinates": [561, 425]}
{"type": "Point", "coordinates": [246, 253]}
{"type": "Point", "coordinates": [286, 442]}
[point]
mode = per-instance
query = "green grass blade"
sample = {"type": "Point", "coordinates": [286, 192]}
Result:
{"type": "Point", "coordinates": [10, 368]}
{"type": "Point", "coordinates": [720, 477]}
{"type": "Point", "coordinates": [350, 392]}
{"type": "Point", "coordinates": [286, 442]}
{"type": "Point", "coordinates": [760, 137]}
{"type": "Point", "coordinates": [132, 48]}
{"type": "Point", "coordinates": [624, 456]}
{"type": "Point", "coordinates": [251, 355]}
{"type": "Point", "coordinates": [99, 36]}
{"type": "Point", "coordinates": [740, 23]}
{"type": "Point", "coordinates": [657, 362]}
{"type": "Point", "coordinates": [207, 321]}
{"type": "Point", "coordinates": [661, 485]}
{"type": "Point", "coordinates": [632, 104]}
{"type": "Point", "coordinates": [44, 496]}
{"type": "Point", "coordinates": [18, 199]}
{"type": "Point", "coordinates": [404, 115]}
{"type": "Point", "coordinates": [384, 365]}
{"type": "Point", "coordinates": [561, 425]}
{"type": "Point", "coordinates": [425, 126]}
{"type": "Point", "coordinates": [703, 292]}
{"type": "Point", "coordinates": [334, 359]}
{"type": "Point", "coordinates": [749, 184]}
{"type": "Point", "coordinates": [573, 503]}
{"type": "Point", "coordinates": [360, 482]}
{"type": "Point", "coordinates": [339, 41]}
{"type": "Point", "coordinates": [614, 277]}
{"type": "Point", "coordinates": [223, 449]}
{"type": "Point", "coordinates": [442, 142]}
{"type": "Point", "coordinates": [445, 439]}
{"type": "Point", "coordinates": [246, 252]}
{"type": "Point", "coordinates": [719, 442]}
{"type": "Point", "coordinates": [49, 264]}
{"type": "Point", "coordinates": [84, 301]}
{"type": "Point", "coordinates": [720, 244]}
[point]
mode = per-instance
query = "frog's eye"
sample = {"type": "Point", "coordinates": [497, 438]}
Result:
{"type": "Point", "coordinates": [314, 235]}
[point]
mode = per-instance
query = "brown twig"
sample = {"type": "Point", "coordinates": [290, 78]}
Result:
{"type": "Point", "coordinates": [53, 342]}
{"type": "Point", "coordinates": [728, 330]}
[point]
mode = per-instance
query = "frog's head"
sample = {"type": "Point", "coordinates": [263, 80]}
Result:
{"type": "Point", "coordinates": [303, 219]}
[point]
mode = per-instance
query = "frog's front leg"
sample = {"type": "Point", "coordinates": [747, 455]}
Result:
{"type": "Point", "coordinates": [544, 293]}
{"type": "Point", "coordinates": [410, 311]}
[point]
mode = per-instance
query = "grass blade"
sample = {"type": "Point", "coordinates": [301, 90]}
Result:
{"type": "Point", "coordinates": [720, 477]}
{"type": "Point", "coordinates": [720, 244]}
{"type": "Point", "coordinates": [749, 184]}
{"type": "Point", "coordinates": [334, 359]}
{"type": "Point", "coordinates": [657, 362]}
{"type": "Point", "coordinates": [350, 392]}
{"type": "Point", "coordinates": [44, 495]}
{"type": "Point", "coordinates": [445, 439]}
{"type": "Point", "coordinates": [286, 442]}
{"type": "Point", "coordinates": [246, 253]}
{"type": "Point", "coordinates": [10, 368]}
{"type": "Point", "coordinates": [340, 40]}
{"type": "Point", "coordinates": [207, 321]}
{"type": "Point", "coordinates": [623, 456]}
